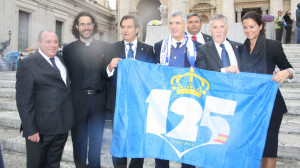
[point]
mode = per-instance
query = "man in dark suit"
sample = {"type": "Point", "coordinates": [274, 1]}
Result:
{"type": "Point", "coordinates": [85, 61]}
{"type": "Point", "coordinates": [194, 24]}
{"type": "Point", "coordinates": [131, 48]}
{"type": "Point", "coordinates": [178, 51]}
{"type": "Point", "coordinates": [219, 54]}
{"type": "Point", "coordinates": [44, 102]}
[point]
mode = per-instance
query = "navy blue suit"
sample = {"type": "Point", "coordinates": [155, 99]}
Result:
{"type": "Point", "coordinates": [144, 52]}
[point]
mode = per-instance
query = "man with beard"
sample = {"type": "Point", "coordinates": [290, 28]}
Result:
{"type": "Point", "coordinates": [84, 59]}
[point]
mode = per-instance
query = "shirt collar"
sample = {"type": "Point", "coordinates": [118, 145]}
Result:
{"type": "Point", "coordinates": [45, 56]}
{"type": "Point", "coordinates": [174, 42]}
{"type": "Point", "coordinates": [134, 43]}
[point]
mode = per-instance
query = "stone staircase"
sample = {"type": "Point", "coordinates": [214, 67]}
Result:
{"type": "Point", "coordinates": [13, 144]}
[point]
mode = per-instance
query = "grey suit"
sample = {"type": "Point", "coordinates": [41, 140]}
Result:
{"type": "Point", "coordinates": [209, 59]}
{"type": "Point", "coordinates": [45, 106]}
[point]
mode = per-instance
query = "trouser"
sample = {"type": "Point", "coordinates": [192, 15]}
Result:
{"type": "Point", "coordinates": [288, 30]}
{"type": "Point", "coordinates": [122, 162]}
{"type": "Point", "coordinates": [279, 34]}
{"type": "Point", "coordinates": [159, 163]}
{"type": "Point", "coordinates": [47, 153]}
{"type": "Point", "coordinates": [88, 131]}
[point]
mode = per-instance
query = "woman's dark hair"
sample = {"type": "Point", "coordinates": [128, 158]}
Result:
{"type": "Point", "coordinates": [75, 31]}
{"type": "Point", "coordinates": [257, 18]}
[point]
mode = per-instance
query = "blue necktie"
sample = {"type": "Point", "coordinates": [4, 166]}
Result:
{"type": "Point", "coordinates": [178, 44]}
{"type": "Point", "coordinates": [130, 51]}
{"type": "Point", "coordinates": [54, 65]}
{"type": "Point", "coordinates": [225, 57]}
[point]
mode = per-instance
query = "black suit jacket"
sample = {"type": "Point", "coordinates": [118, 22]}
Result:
{"type": "Point", "coordinates": [144, 52]}
{"type": "Point", "coordinates": [207, 38]}
{"type": "Point", "coordinates": [209, 59]}
{"type": "Point", "coordinates": [157, 50]}
{"type": "Point", "coordinates": [274, 56]}
{"type": "Point", "coordinates": [43, 99]}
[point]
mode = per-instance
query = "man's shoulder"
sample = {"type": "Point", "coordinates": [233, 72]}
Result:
{"type": "Point", "coordinates": [71, 45]}
{"type": "Point", "coordinates": [234, 43]}
{"type": "Point", "coordinates": [144, 45]}
{"type": "Point", "coordinates": [158, 43]}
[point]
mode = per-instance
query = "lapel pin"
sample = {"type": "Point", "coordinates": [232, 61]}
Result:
{"type": "Point", "coordinates": [142, 48]}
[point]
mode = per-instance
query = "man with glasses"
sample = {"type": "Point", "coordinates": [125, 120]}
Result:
{"type": "Point", "coordinates": [84, 59]}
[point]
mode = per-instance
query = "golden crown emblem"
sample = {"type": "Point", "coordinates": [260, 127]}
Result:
{"type": "Point", "coordinates": [189, 89]}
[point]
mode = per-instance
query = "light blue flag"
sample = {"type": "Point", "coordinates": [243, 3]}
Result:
{"type": "Point", "coordinates": [203, 118]}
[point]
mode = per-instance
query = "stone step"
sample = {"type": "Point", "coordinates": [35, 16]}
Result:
{"type": "Point", "coordinates": [18, 160]}
{"type": "Point", "coordinates": [9, 75]}
{"type": "Point", "coordinates": [290, 94]}
{"type": "Point", "coordinates": [290, 124]}
{"type": "Point", "coordinates": [7, 92]}
{"type": "Point", "coordinates": [289, 146]}
{"type": "Point", "coordinates": [8, 104]}
{"type": "Point", "coordinates": [293, 107]}
{"type": "Point", "coordinates": [12, 140]}
{"type": "Point", "coordinates": [7, 83]}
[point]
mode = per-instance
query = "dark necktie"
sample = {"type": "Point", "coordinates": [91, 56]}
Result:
{"type": "Point", "coordinates": [225, 57]}
{"type": "Point", "coordinates": [130, 51]}
{"type": "Point", "coordinates": [178, 44]}
{"type": "Point", "coordinates": [194, 38]}
{"type": "Point", "coordinates": [54, 65]}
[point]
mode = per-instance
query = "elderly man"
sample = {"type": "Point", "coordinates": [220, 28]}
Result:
{"type": "Point", "coordinates": [44, 102]}
{"type": "Point", "coordinates": [220, 54]}
{"type": "Point", "coordinates": [177, 50]}
{"type": "Point", "coordinates": [194, 24]}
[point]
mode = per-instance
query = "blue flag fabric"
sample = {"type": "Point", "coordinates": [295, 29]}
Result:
{"type": "Point", "coordinates": [198, 117]}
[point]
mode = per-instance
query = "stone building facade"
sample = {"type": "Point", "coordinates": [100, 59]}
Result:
{"type": "Point", "coordinates": [147, 10]}
{"type": "Point", "coordinates": [26, 18]}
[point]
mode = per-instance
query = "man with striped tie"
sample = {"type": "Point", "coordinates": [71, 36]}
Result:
{"type": "Point", "coordinates": [130, 47]}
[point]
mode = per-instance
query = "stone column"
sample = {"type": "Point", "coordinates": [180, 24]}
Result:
{"type": "Point", "coordinates": [275, 6]}
{"type": "Point", "coordinates": [227, 6]}
{"type": "Point", "coordinates": [239, 14]}
{"type": "Point", "coordinates": [294, 8]}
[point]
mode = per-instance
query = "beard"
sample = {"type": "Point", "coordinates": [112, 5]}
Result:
{"type": "Point", "coordinates": [86, 36]}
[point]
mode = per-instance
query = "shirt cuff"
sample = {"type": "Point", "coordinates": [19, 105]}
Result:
{"type": "Point", "coordinates": [110, 74]}
{"type": "Point", "coordinates": [223, 70]}
{"type": "Point", "coordinates": [294, 74]}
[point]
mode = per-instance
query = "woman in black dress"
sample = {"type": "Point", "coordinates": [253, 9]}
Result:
{"type": "Point", "coordinates": [261, 55]}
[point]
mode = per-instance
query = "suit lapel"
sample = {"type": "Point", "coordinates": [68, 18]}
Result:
{"type": "Point", "coordinates": [139, 51]}
{"type": "Point", "coordinates": [121, 48]}
{"type": "Point", "coordinates": [214, 53]}
{"type": "Point", "coordinates": [235, 48]}
{"type": "Point", "coordinates": [44, 64]}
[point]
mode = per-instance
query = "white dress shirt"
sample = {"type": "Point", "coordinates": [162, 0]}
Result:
{"type": "Point", "coordinates": [230, 51]}
{"type": "Point", "coordinates": [199, 36]}
{"type": "Point", "coordinates": [133, 47]}
{"type": "Point", "coordinates": [59, 64]}
{"type": "Point", "coordinates": [126, 45]}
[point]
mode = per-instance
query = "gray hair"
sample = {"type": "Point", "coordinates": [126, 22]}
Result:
{"type": "Point", "coordinates": [45, 30]}
{"type": "Point", "coordinates": [218, 17]}
{"type": "Point", "coordinates": [179, 13]}
{"type": "Point", "coordinates": [194, 14]}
